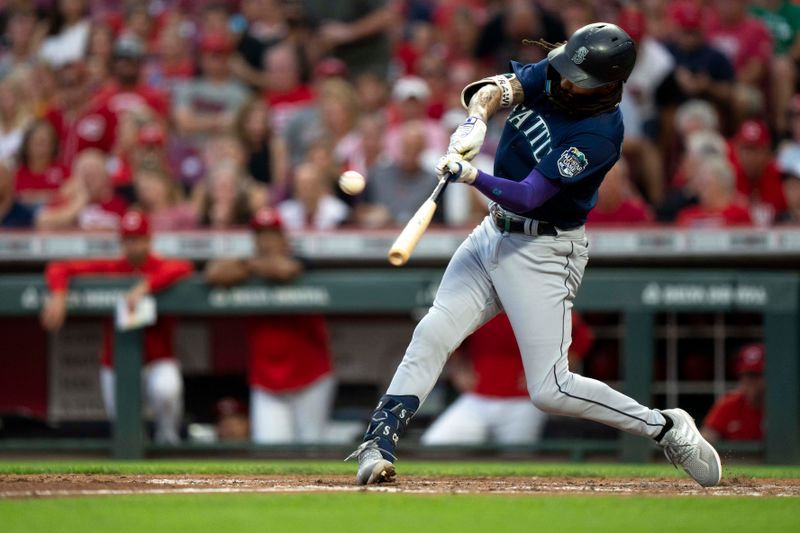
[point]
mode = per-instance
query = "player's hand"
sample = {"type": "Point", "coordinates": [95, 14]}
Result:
{"type": "Point", "coordinates": [54, 312]}
{"type": "Point", "coordinates": [136, 294]}
{"type": "Point", "coordinates": [461, 169]}
{"type": "Point", "coordinates": [467, 140]}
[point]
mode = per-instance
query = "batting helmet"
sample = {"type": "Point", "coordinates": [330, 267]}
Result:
{"type": "Point", "coordinates": [595, 55]}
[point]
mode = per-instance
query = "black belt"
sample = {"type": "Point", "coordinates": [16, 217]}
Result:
{"type": "Point", "coordinates": [527, 226]}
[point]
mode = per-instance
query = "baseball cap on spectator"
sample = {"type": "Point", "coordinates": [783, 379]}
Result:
{"type": "Point", "coordinates": [134, 224]}
{"type": "Point", "coordinates": [229, 406]}
{"type": "Point", "coordinates": [753, 133]}
{"type": "Point", "coordinates": [216, 43]}
{"type": "Point", "coordinates": [152, 134]}
{"type": "Point", "coordinates": [686, 15]}
{"type": "Point", "coordinates": [633, 22]}
{"type": "Point", "coordinates": [128, 47]}
{"type": "Point", "coordinates": [750, 359]}
{"type": "Point", "coordinates": [411, 87]}
{"type": "Point", "coordinates": [266, 218]}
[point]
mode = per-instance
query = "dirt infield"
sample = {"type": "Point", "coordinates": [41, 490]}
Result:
{"type": "Point", "coordinates": [72, 485]}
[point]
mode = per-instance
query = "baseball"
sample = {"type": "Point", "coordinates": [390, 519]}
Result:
{"type": "Point", "coordinates": [352, 182]}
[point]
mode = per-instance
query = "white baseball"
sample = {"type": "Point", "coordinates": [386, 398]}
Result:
{"type": "Point", "coordinates": [352, 182]}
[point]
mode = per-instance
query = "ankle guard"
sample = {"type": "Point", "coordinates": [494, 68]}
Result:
{"type": "Point", "coordinates": [389, 422]}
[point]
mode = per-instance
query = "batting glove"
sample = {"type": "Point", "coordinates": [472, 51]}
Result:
{"type": "Point", "coordinates": [467, 140]}
{"type": "Point", "coordinates": [461, 169]}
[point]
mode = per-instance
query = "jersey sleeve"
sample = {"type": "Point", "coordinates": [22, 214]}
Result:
{"type": "Point", "coordinates": [577, 158]}
{"type": "Point", "coordinates": [58, 273]}
{"type": "Point", "coordinates": [532, 77]}
{"type": "Point", "coordinates": [169, 272]}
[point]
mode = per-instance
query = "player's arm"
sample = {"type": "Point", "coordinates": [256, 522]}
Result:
{"type": "Point", "coordinates": [482, 99]}
{"type": "Point", "coordinates": [226, 272]}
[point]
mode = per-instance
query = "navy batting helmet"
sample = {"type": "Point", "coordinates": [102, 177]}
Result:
{"type": "Point", "coordinates": [595, 55]}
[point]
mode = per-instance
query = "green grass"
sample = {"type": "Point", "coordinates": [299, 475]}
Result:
{"type": "Point", "coordinates": [358, 512]}
{"type": "Point", "coordinates": [410, 468]}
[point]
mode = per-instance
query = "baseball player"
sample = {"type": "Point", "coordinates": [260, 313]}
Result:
{"type": "Point", "coordinates": [528, 256]}
{"type": "Point", "coordinates": [162, 378]}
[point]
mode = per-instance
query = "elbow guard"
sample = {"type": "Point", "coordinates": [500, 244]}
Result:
{"type": "Point", "coordinates": [503, 81]}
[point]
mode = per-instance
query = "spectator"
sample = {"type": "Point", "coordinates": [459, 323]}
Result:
{"type": "Point", "coordinates": [396, 190]}
{"type": "Point", "coordinates": [788, 154]}
{"type": "Point", "coordinates": [791, 192]}
{"type": "Point", "coordinates": [287, 94]}
{"type": "Point", "coordinates": [87, 201]}
{"type": "Point", "coordinates": [701, 70]}
{"type": "Point", "coordinates": [39, 174]}
{"type": "Point", "coordinates": [126, 93]}
{"type": "Point", "coordinates": [642, 95]}
{"type": "Point", "coordinates": [161, 376]}
{"type": "Point", "coordinates": [760, 180]}
{"type": "Point", "coordinates": [12, 213]}
{"type": "Point", "coordinates": [266, 152]}
{"type": "Point", "coordinates": [233, 423]}
{"type": "Point", "coordinates": [15, 115]}
{"type": "Point", "coordinates": [160, 198]}
{"type": "Point", "coordinates": [67, 33]}
{"type": "Point", "coordinates": [222, 201]}
{"type": "Point", "coordinates": [354, 31]}
{"type": "Point", "coordinates": [291, 379]}
{"type": "Point", "coordinates": [99, 54]}
{"type": "Point", "coordinates": [208, 105]}
{"type": "Point", "coordinates": [371, 149]}
{"type": "Point", "coordinates": [739, 415]}
{"type": "Point", "coordinates": [718, 205]}
{"type": "Point", "coordinates": [266, 27]}
{"type": "Point", "coordinates": [172, 62]}
{"type": "Point", "coordinates": [617, 203]}
{"type": "Point", "coordinates": [78, 119]}
{"type": "Point", "coordinates": [21, 36]}
{"type": "Point", "coordinates": [313, 205]}
{"type": "Point", "coordinates": [411, 96]}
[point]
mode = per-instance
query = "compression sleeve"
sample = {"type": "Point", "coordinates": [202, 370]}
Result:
{"type": "Point", "coordinates": [517, 196]}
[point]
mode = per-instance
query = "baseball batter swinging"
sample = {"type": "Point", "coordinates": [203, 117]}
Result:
{"type": "Point", "coordinates": [527, 257]}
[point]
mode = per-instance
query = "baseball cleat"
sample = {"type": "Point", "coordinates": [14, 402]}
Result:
{"type": "Point", "coordinates": [372, 467]}
{"type": "Point", "coordinates": [685, 446]}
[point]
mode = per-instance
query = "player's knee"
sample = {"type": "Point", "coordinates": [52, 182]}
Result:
{"type": "Point", "coordinates": [546, 395]}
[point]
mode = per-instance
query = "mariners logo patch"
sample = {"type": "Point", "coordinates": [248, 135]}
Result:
{"type": "Point", "coordinates": [580, 55]}
{"type": "Point", "coordinates": [572, 162]}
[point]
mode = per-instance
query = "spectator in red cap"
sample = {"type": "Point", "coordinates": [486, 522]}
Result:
{"type": "Point", "coordinates": [718, 205]}
{"type": "Point", "coordinates": [739, 415]}
{"type": "Point", "coordinates": [208, 104]}
{"type": "Point", "coordinates": [760, 181]}
{"type": "Point", "coordinates": [162, 379]}
{"type": "Point", "coordinates": [80, 120]}
{"type": "Point", "coordinates": [291, 379]}
{"type": "Point", "coordinates": [701, 71]}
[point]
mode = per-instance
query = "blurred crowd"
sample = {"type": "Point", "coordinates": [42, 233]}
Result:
{"type": "Point", "coordinates": [199, 113]}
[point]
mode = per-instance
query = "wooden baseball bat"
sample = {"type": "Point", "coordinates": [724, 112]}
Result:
{"type": "Point", "coordinates": [407, 240]}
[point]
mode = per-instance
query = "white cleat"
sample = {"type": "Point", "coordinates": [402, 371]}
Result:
{"type": "Point", "coordinates": [685, 446]}
{"type": "Point", "coordinates": [372, 467]}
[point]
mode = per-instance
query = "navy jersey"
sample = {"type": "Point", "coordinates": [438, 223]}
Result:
{"type": "Point", "coordinates": [575, 152]}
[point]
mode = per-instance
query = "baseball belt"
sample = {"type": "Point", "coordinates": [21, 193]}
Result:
{"type": "Point", "coordinates": [509, 223]}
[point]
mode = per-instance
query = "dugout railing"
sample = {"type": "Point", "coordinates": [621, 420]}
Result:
{"type": "Point", "coordinates": [637, 294]}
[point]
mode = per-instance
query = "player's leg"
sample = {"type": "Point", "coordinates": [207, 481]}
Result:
{"type": "Point", "coordinates": [463, 422]}
{"type": "Point", "coordinates": [108, 390]}
{"type": "Point", "coordinates": [270, 417]}
{"type": "Point", "coordinates": [516, 421]}
{"type": "Point", "coordinates": [536, 283]}
{"type": "Point", "coordinates": [164, 393]}
{"type": "Point", "coordinates": [311, 408]}
{"type": "Point", "coordinates": [464, 301]}
{"type": "Point", "coordinates": [540, 314]}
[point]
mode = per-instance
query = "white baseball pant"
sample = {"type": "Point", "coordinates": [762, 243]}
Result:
{"type": "Point", "coordinates": [534, 279]}
{"type": "Point", "coordinates": [163, 395]}
{"type": "Point", "coordinates": [476, 419]}
{"type": "Point", "coordinates": [291, 417]}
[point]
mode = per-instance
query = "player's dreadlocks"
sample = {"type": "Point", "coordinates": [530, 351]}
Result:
{"type": "Point", "coordinates": [572, 104]}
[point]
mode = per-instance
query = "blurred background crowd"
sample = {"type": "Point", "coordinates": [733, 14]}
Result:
{"type": "Point", "coordinates": [201, 112]}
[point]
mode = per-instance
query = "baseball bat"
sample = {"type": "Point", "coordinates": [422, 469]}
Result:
{"type": "Point", "coordinates": [407, 240]}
